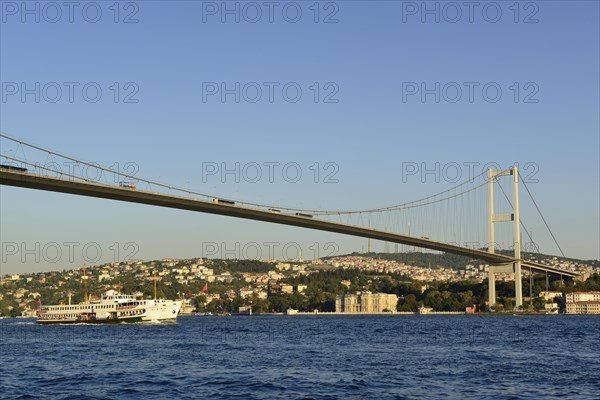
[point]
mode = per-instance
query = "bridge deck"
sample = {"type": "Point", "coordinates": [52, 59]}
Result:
{"type": "Point", "coordinates": [31, 181]}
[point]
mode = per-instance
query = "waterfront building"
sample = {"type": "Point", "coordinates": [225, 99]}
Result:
{"type": "Point", "coordinates": [551, 308]}
{"type": "Point", "coordinates": [582, 296]}
{"type": "Point", "coordinates": [583, 303]}
{"type": "Point", "coordinates": [366, 303]}
{"type": "Point", "coordinates": [245, 310]}
{"type": "Point", "coordinates": [549, 294]}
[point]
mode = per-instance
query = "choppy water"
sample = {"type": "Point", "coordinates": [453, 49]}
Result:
{"type": "Point", "coordinates": [354, 357]}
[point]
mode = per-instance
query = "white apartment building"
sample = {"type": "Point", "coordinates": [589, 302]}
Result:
{"type": "Point", "coordinates": [583, 303]}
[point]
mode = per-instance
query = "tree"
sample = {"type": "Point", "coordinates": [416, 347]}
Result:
{"type": "Point", "coordinates": [200, 302]}
{"type": "Point", "coordinates": [538, 303]}
{"type": "Point", "coordinates": [408, 303]}
{"type": "Point", "coordinates": [509, 304]}
{"type": "Point", "coordinates": [279, 303]}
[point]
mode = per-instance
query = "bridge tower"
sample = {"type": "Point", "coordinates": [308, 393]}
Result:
{"type": "Point", "coordinates": [515, 266]}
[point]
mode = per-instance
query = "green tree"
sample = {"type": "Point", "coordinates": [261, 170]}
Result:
{"type": "Point", "coordinates": [200, 303]}
{"type": "Point", "coordinates": [408, 304]}
{"type": "Point", "coordinates": [538, 303]}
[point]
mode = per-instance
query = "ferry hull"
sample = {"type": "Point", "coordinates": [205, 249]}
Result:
{"type": "Point", "coordinates": [93, 321]}
{"type": "Point", "coordinates": [119, 320]}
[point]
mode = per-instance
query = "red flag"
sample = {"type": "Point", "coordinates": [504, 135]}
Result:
{"type": "Point", "coordinates": [204, 288]}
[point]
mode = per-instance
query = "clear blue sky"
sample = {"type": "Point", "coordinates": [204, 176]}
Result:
{"type": "Point", "coordinates": [371, 56]}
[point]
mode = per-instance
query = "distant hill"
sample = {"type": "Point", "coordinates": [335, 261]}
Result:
{"type": "Point", "coordinates": [447, 260]}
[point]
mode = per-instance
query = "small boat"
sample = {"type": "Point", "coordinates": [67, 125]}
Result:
{"type": "Point", "coordinates": [207, 314]}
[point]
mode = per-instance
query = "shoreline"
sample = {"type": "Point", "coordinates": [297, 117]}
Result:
{"type": "Point", "coordinates": [399, 314]}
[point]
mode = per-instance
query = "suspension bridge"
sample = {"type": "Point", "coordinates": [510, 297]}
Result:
{"type": "Point", "coordinates": [472, 202]}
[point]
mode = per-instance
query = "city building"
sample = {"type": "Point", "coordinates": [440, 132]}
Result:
{"type": "Point", "coordinates": [549, 294]}
{"type": "Point", "coordinates": [576, 297]}
{"type": "Point", "coordinates": [245, 310]}
{"type": "Point", "coordinates": [425, 310]}
{"type": "Point", "coordinates": [283, 266]}
{"type": "Point", "coordinates": [366, 303]}
{"type": "Point", "coordinates": [583, 303]}
{"type": "Point", "coordinates": [287, 289]}
{"type": "Point", "coordinates": [302, 288]}
{"type": "Point", "coordinates": [245, 292]}
{"type": "Point", "coordinates": [551, 308]}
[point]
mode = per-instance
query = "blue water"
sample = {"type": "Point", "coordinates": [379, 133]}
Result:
{"type": "Point", "coordinates": [278, 357]}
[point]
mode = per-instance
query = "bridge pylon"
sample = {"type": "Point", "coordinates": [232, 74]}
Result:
{"type": "Point", "coordinates": [515, 266]}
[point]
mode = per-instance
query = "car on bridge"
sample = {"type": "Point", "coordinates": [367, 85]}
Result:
{"type": "Point", "coordinates": [223, 201]}
{"type": "Point", "coordinates": [128, 185]}
{"type": "Point", "coordinates": [304, 215]}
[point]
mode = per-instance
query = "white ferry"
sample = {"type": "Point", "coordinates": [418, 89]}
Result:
{"type": "Point", "coordinates": [113, 307]}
